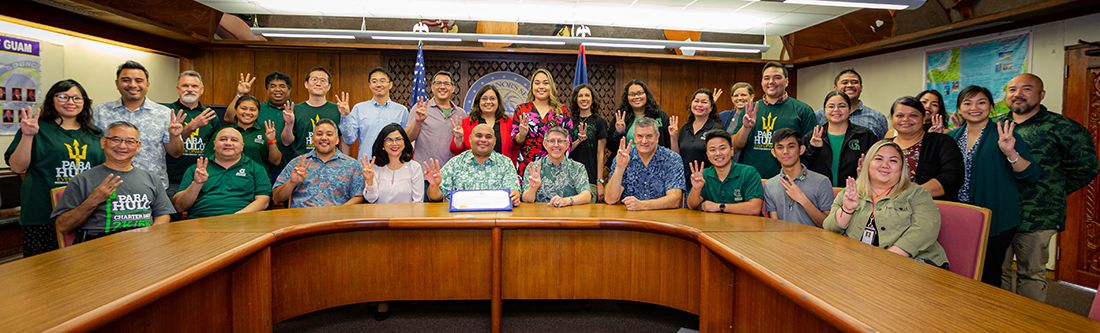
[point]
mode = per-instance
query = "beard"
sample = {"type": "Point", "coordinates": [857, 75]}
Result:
{"type": "Point", "coordinates": [189, 98]}
{"type": "Point", "coordinates": [1021, 108]}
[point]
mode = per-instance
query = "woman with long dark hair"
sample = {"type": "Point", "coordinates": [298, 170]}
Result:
{"type": "Point", "coordinates": [51, 147]}
{"type": "Point", "coordinates": [391, 176]}
{"type": "Point", "coordinates": [935, 162]}
{"type": "Point", "coordinates": [688, 141]}
{"type": "Point", "coordinates": [834, 150]}
{"type": "Point", "coordinates": [542, 111]}
{"type": "Point", "coordinates": [589, 136]}
{"type": "Point", "coordinates": [638, 102]}
{"type": "Point", "coordinates": [488, 108]}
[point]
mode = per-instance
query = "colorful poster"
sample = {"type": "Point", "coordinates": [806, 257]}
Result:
{"type": "Point", "coordinates": [990, 64]}
{"type": "Point", "coordinates": [20, 73]}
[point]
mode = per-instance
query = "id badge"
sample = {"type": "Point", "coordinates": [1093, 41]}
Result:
{"type": "Point", "coordinates": [868, 235]}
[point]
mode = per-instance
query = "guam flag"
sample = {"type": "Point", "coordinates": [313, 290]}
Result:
{"type": "Point", "coordinates": [580, 73]}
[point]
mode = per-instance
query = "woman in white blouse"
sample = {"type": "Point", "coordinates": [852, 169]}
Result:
{"type": "Point", "coordinates": [391, 176]}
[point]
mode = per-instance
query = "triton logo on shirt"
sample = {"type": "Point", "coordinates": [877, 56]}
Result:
{"type": "Point", "coordinates": [194, 145]}
{"type": "Point", "coordinates": [75, 165]}
{"type": "Point", "coordinates": [763, 139]}
{"type": "Point", "coordinates": [242, 173]}
{"type": "Point", "coordinates": [312, 126]}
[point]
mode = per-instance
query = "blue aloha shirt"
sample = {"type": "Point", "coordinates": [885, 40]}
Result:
{"type": "Point", "coordinates": [329, 183]}
{"type": "Point", "coordinates": [665, 172]}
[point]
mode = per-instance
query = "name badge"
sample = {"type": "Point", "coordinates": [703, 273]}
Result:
{"type": "Point", "coordinates": [869, 233]}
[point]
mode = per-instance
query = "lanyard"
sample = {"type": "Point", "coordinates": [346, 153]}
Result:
{"type": "Point", "coordinates": [874, 199]}
{"type": "Point", "coordinates": [870, 235]}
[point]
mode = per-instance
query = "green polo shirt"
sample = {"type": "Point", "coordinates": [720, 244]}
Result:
{"type": "Point", "coordinates": [741, 184]}
{"type": "Point", "coordinates": [255, 147]}
{"type": "Point", "coordinates": [57, 156]}
{"type": "Point", "coordinates": [305, 117]}
{"type": "Point", "coordinates": [194, 143]}
{"type": "Point", "coordinates": [228, 190]}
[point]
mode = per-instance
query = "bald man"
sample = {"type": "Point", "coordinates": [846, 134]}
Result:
{"type": "Point", "coordinates": [1065, 152]}
{"type": "Point", "coordinates": [229, 185]}
{"type": "Point", "coordinates": [479, 168]}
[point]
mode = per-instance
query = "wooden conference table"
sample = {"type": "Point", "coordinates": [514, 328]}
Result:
{"type": "Point", "coordinates": [747, 274]}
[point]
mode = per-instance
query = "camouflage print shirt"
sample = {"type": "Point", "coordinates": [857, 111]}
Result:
{"type": "Point", "coordinates": [1065, 152]}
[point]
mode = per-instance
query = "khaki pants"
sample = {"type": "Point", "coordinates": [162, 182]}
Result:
{"type": "Point", "coordinates": [1031, 251]}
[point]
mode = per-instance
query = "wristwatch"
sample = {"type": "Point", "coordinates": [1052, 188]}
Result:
{"type": "Point", "coordinates": [601, 181]}
{"type": "Point", "coordinates": [722, 207]}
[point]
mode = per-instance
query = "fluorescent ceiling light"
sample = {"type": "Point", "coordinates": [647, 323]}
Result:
{"type": "Point", "coordinates": [517, 41]}
{"type": "Point", "coordinates": [625, 45]}
{"type": "Point", "coordinates": [412, 38]}
{"type": "Point", "coordinates": [275, 34]}
{"type": "Point", "coordinates": [718, 49]}
{"type": "Point", "coordinates": [851, 4]}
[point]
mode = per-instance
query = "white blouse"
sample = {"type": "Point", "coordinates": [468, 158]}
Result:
{"type": "Point", "coordinates": [396, 186]}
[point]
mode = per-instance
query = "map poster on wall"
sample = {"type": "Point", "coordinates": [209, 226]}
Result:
{"type": "Point", "coordinates": [989, 63]}
{"type": "Point", "coordinates": [20, 74]}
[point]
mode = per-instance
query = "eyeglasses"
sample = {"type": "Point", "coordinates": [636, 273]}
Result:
{"type": "Point", "coordinates": [318, 80]}
{"type": "Point", "coordinates": [443, 83]}
{"type": "Point", "coordinates": [114, 140]}
{"type": "Point", "coordinates": [66, 98]}
{"type": "Point", "coordinates": [394, 140]}
{"type": "Point", "coordinates": [557, 141]}
{"type": "Point", "coordinates": [379, 81]}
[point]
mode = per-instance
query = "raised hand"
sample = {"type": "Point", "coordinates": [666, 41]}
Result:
{"type": "Point", "coordinates": [28, 122]}
{"type": "Point", "coordinates": [937, 124]}
{"type": "Point", "coordinates": [175, 125]}
{"type": "Point", "coordinates": [817, 140]}
{"type": "Point", "coordinates": [288, 114]}
{"type": "Point", "coordinates": [269, 130]}
{"type": "Point", "coordinates": [431, 172]}
{"type": "Point", "coordinates": [524, 126]}
{"type": "Point", "coordinates": [793, 191]}
{"type": "Point", "coordinates": [104, 190]}
{"type": "Point", "coordinates": [421, 109]}
{"type": "Point", "coordinates": [200, 175]}
{"type": "Point", "coordinates": [717, 94]}
{"type": "Point", "coordinates": [851, 197]}
{"type": "Point", "coordinates": [859, 165]}
{"type": "Point", "coordinates": [582, 132]}
{"type": "Point", "coordinates": [368, 170]}
{"type": "Point", "coordinates": [201, 120]}
{"type": "Point", "coordinates": [342, 103]}
{"type": "Point", "coordinates": [620, 121]}
{"type": "Point", "coordinates": [1005, 140]}
{"type": "Point", "coordinates": [456, 129]}
{"type": "Point", "coordinates": [622, 158]}
{"type": "Point", "coordinates": [534, 177]}
{"type": "Point", "coordinates": [957, 119]}
{"type": "Point", "coordinates": [749, 120]}
{"type": "Point", "coordinates": [674, 127]}
{"type": "Point", "coordinates": [697, 180]}
{"type": "Point", "coordinates": [301, 171]}
{"type": "Point", "coordinates": [244, 84]}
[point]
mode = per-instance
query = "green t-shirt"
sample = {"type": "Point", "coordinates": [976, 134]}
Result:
{"type": "Point", "coordinates": [742, 184]}
{"type": "Point", "coordinates": [836, 142]}
{"type": "Point", "coordinates": [274, 114]}
{"type": "Point", "coordinates": [57, 155]}
{"type": "Point", "coordinates": [305, 117]}
{"type": "Point", "coordinates": [789, 113]}
{"type": "Point", "coordinates": [227, 190]}
{"type": "Point", "coordinates": [194, 143]}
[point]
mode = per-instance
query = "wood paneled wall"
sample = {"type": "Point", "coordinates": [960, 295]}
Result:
{"type": "Point", "coordinates": [672, 81]}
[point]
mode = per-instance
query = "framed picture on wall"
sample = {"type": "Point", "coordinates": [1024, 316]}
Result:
{"type": "Point", "coordinates": [30, 95]}
{"type": "Point", "coordinates": [9, 116]}
{"type": "Point", "coordinates": [3, 93]}
{"type": "Point", "coordinates": [17, 94]}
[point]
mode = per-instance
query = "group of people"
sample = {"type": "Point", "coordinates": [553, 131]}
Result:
{"type": "Point", "coordinates": [131, 163]}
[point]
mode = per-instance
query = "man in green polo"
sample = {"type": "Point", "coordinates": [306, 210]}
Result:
{"type": "Point", "coordinates": [725, 186]}
{"type": "Point", "coordinates": [202, 119]}
{"type": "Point", "coordinates": [229, 185]}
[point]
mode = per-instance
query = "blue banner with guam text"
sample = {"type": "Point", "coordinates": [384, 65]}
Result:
{"type": "Point", "coordinates": [20, 74]}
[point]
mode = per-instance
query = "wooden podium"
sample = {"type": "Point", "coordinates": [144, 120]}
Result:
{"type": "Point", "coordinates": [245, 272]}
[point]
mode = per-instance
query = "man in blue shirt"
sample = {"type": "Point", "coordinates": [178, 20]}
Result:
{"type": "Point", "coordinates": [850, 83]}
{"type": "Point", "coordinates": [647, 177]}
{"type": "Point", "coordinates": [365, 120]}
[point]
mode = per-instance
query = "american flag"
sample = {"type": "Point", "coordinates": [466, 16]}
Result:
{"type": "Point", "coordinates": [419, 84]}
